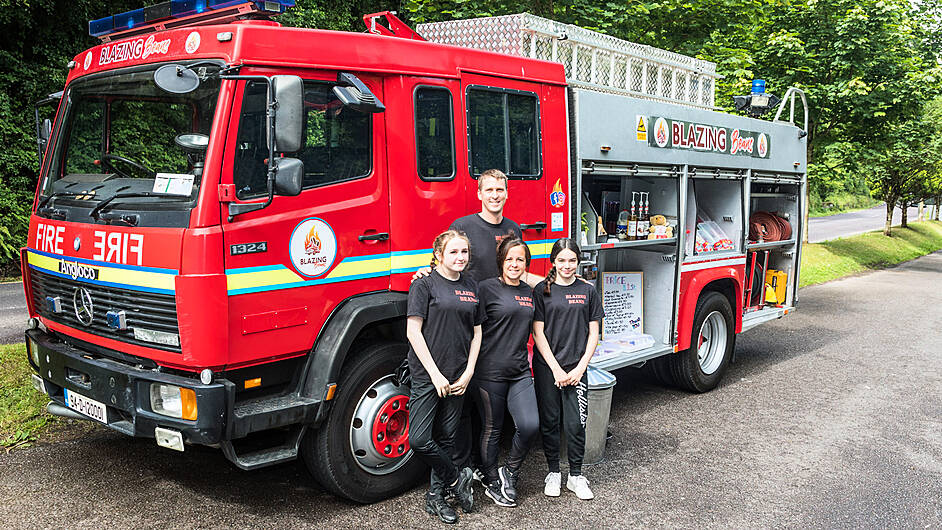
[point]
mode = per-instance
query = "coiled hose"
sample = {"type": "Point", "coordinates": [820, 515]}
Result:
{"type": "Point", "coordinates": [767, 226]}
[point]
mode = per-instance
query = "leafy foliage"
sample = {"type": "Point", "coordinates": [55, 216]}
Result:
{"type": "Point", "coordinates": [866, 65]}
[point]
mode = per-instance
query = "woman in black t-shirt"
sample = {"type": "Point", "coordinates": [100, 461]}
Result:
{"type": "Point", "coordinates": [566, 320]}
{"type": "Point", "coordinates": [444, 332]}
{"type": "Point", "coordinates": [502, 378]}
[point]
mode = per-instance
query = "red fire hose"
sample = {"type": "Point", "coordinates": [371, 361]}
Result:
{"type": "Point", "coordinates": [768, 227]}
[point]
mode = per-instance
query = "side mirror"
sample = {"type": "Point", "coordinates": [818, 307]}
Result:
{"type": "Point", "coordinates": [288, 92]}
{"type": "Point", "coordinates": [289, 176]}
{"type": "Point", "coordinates": [46, 131]}
{"type": "Point", "coordinates": [355, 94]}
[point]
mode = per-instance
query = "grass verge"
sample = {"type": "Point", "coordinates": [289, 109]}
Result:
{"type": "Point", "coordinates": [23, 419]}
{"type": "Point", "coordinates": [822, 262]}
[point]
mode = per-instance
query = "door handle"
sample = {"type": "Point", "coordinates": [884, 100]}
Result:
{"type": "Point", "coordinates": [380, 236]}
{"type": "Point", "coordinates": [540, 225]}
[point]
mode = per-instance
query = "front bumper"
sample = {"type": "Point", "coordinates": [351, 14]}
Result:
{"type": "Point", "coordinates": [125, 390]}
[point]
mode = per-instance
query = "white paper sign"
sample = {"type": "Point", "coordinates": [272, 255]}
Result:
{"type": "Point", "coordinates": [557, 221]}
{"type": "Point", "coordinates": [623, 302]}
{"type": "Point", "coordinates": [174, 183]}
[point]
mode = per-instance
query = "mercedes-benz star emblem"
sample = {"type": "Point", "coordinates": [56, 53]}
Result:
{"type": "Point", "coordinates": [84, 308]}
{"type": "Point", "coordinates": [77, 243]}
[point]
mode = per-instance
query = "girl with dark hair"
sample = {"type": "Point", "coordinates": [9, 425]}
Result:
{"type": "Point", "coordinates": [502, 380]}
{"type": "Point", "coordinates": [566, 321]}
{"type": "Point", "coordinates": [444, 332]}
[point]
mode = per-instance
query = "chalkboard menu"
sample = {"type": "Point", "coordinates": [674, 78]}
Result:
{"type": "Point", "coordinates": [623, 302]}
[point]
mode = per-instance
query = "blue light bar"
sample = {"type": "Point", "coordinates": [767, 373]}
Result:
{"type": "Point", "coordinates": [129, 19]}
{"type": "Point", "coordinates": [102, 26]}
{"type": "Point", "coordinates": [175, 9]}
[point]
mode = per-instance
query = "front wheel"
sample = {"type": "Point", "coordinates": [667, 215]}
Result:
{"type": "Point", "coordinates": [701, 366]}
{"type": "Point", "coordinates": [361, 452]}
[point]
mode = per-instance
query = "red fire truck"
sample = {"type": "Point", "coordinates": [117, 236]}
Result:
{"type": "Point", "coordinates": [229, 213]}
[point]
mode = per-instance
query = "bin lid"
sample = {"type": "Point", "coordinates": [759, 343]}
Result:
{"type": "Point", "coordinates": [600, 379]}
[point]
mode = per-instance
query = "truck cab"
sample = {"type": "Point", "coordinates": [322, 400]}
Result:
{"type": "Point", "coordinates": [229, 215]}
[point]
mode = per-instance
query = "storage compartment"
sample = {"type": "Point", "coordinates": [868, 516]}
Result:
{"type": "Point", "coordinates": [777, 206]}
{"type": "Point", "coordinates": [714, 220]}
{"type": "Point", "coordinates": [637, 289]}
{"type": "Point", "coordinates": [771, 239]}
{"type": "Point", "coordinates": [618, 204]}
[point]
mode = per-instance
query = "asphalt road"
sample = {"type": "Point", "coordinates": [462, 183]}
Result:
{"type": "Point", "coordinates": [848, 224]}
{"type": "Point", "coordinates": [12, 313]}
{"type": "Point", "coordinates": [830, 418]}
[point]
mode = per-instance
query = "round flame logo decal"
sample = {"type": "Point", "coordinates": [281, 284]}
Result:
{"type": "Point", "coordinates": [763, 147]}
{"type": "Point", "coordinates": [313, 247]}
{"type": "Point", "coordinates": [660, 132]}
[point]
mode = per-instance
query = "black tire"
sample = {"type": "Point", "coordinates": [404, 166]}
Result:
{"type": "Point", "coordinates": [686, 367]}
{"type": "Point", "coordinates": [659, 370]}
{"type": "Point", "coordinates": [328, 452]}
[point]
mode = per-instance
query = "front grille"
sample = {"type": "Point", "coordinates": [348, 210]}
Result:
{"type": "Point", "coordinates": [145, 310]}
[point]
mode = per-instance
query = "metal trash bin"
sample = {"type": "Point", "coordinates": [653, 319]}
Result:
{"type": "Point", "coordinates": [601, 386]}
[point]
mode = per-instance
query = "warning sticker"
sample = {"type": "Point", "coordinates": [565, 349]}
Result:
{"type": "Point", "coordinates": [642, 132]}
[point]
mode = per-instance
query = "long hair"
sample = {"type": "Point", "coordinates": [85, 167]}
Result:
{"type": "Point", "coordinates": [503, 248]}
{"type": "Point", "coordinates": [565, 243]}
{"type": "Point", "coordinates": [442, 239]}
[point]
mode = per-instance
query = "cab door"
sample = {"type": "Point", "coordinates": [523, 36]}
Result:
{"type": "Point", "coordinates": [504, 131]}
{"type": "Point", "coordinates": [425, 160]}
{"type": "Point", "coordinates": [289, 265]}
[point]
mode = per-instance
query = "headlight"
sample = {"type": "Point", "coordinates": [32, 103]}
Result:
{"type": "Point", "coordinates": [173, 401]}
{"type": "Point", "coordinates": [33, 349]}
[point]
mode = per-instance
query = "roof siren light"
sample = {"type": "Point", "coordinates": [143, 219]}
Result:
{"type": "Point", "coordinates": [180, 9]}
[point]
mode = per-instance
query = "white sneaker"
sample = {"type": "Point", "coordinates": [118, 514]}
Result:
{"type": "Point", "coordinates": [552, 482]}
{"type": "Point", "coordinates": [580, 486]}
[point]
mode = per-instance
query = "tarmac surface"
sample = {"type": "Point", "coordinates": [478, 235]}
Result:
{"type": "Point", "coordinates": [830, 418]}
{"type": "Point", "coordinates": [851, 223]}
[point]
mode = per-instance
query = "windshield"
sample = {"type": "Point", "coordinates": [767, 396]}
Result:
{"type": "Point", "coordinates": [121, 133]}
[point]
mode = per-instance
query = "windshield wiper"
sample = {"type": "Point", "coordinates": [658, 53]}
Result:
{"type": "Point", "coordinates": [128, 219]}
{"type": "Point", "coordinates": [52, 212]}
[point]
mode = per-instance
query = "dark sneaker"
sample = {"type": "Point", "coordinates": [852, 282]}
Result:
{"type": "Point", "coordinates": [463, 489]}
{"type": "Point", "coordinates": [492, 491]}
{"type": "Point", "coordinates": [508, 483]}
{"type": "Point", "coordinates": [435, 504]}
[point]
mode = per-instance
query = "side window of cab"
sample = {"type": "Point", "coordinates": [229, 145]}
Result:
{"type": "Point", "coordinates": [337, 141]}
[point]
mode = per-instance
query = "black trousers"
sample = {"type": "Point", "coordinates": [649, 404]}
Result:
{"type": "Point", "coordinates": [468, 430]}
{"type": "Point", "coordinates": [493, 398]}
{"type": "Point", "coordinates": [433, 423]}
{"type": "Point", "coordinates": [565, 408]}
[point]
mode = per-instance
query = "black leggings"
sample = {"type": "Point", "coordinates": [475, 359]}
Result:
{"type": "Point", "coordinates": [565, 407]}
{"type": "Point", "coordinates": [492, 399]}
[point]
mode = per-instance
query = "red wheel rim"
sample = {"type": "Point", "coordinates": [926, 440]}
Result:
{"type": "Point", "coordinates": [391, 428]}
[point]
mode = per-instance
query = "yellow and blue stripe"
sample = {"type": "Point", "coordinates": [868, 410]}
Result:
{"type": "Point", "coordinates": [275, 277]}
{"type": "Point", "coordinates": [136, 278]}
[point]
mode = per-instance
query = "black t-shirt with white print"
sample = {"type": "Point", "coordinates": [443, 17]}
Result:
{"type": "Point", "coordinates": [509, 310]}
{"type": "Point", "coordinates": [484, 238]}
{"type": "Point", "coordinates": [566, 314]}
{"type": "Point", "coordinates": [450, 310]}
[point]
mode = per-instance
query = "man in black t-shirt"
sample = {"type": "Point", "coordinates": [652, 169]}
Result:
{"type": "Point", "coordinates": [486, 228]}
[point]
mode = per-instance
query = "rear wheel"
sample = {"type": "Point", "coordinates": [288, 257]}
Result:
{"type": "Point", "coordinates": [361, 451]}
{"type": "Point", "coordinates": [701, 366]}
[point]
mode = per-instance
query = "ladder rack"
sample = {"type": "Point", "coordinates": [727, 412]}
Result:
{"type": "Point", "coordinates": [592, 60]}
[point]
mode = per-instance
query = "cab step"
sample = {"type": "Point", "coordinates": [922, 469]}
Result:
{"type": "Point", "coordinates": [270, 412]}
{"type": "Point", "coordinates": [265, 457]}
